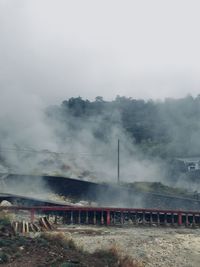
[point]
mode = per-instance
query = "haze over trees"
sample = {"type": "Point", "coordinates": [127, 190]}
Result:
{"type": "Point", "coordinates": [166, 129]}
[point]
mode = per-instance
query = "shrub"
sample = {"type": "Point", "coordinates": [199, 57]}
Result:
{"type": "Point", "coordinates": [127, 261]}
{"type": "Point", "coordinates": [69, 264]}
{"type": "Point", "coordinates": [112, 257]}
{"type": "Point", "coordinates": [3, 257]}
{"type": "Point", "coordinates": [60, 238]}
{"type": "Point", "coordinates": [4, 222]}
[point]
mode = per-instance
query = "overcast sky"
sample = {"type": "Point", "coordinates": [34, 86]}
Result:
{"type": "Point", "coordinates": [57, 49]}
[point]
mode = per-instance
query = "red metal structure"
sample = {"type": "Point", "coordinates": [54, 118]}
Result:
{"type": "Point", "coordinates": [112, 216]}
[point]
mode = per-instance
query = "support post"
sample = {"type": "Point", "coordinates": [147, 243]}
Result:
{"type": "Point", "coordinates": [179, 219]}
{"type": "Point", "coordinates": [165, 219]}
{"type": "Point", "coordinates": [108, 217]}
{"type": "Point", "coordinates": [193, 220]}
{"type": "Point", "coordinates": [122, 218]}
{"type": "Point", "coordinates": [143, 218]}
{"type": "Point", "coordinates": [114, 217]}
{"type": "Point", "coordinates": [79, 217]}
{"type": "Point", "coordinates": [158, 218]}
{"type": "Point", "coordinates": [87, 217]}
{"type": "Point", "coordinates": [72, 218]}
{"type": "Point", "coordinates": [186, 219]}
{"type": "Point", "coordinates": [102, 218]}
{"type": "Point", "coordinates": [32, 215]}
{"type": "Point", "coordinates": [118, 162]}
{"type": "Point", "coordinates": [94, 218]}
{"type": "Point", "coordinates": [151, 219]}
{"type": "Point", "coordinates": [136, 218]}
{"type": "Point", "coordinates": [172, 218]}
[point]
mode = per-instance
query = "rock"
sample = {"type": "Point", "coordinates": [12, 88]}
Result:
{"type": "Point", "coordinates": [5, 203]}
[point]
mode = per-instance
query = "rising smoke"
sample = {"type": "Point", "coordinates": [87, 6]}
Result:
{"type": "Point", "coordinates": [33, 143]}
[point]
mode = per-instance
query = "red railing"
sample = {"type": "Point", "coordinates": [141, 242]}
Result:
{"type": "Point", "coordinates": [113, 215]}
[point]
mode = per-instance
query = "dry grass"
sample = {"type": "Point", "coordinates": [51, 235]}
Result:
{"type": "Point", "coordinates": [127, 261]}
{"type": "Point", "coordinates": [111, 257]}
{"type": "Point", "coordinates": [58, 249]}
{"type": "Point", "coordinates": [114, 257]}
{"type": "Point", "coordinates": [61, 239]}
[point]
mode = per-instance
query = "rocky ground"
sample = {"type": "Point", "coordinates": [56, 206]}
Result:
{"type": "Point", "coordinates": [55, 250]}
{"type": "Point", "coordinates": [171, 247]}
{"type": "Point", "coordinates": [98, 246]}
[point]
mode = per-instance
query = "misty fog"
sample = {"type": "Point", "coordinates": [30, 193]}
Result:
{"type": "Point", "coordinates": [51, 52]}
{"type": "Point", "coordinates": [57, 50]}
{"type": "Point", "coordinates": [28, 137]}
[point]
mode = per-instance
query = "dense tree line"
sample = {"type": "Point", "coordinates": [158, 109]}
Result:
{"type": "Point", "coordinates": [169, 128]}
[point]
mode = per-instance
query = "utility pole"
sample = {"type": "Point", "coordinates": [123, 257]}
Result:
{"type": "Point", "coordinates": [118, 161]}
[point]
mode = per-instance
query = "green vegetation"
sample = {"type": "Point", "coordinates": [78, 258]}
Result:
{"type": "Point", "coordinates": [3, 257]}
{"type": "Point", "coordinates": [4, 222]}
{"type": "Point", "coordinates": [4, 219]}
{"type": "Point", "coordinates": [159, 188]}
{"type": "Point", "coordinates": [163, 129]}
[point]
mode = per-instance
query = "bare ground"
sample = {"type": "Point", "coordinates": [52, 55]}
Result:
{"type": "Point", "coordinates": [155, 247]}
{"type": "Point", "coordinates": [148, 246]}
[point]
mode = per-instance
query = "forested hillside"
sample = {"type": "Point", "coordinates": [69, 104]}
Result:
{"type": "Point", "coordinates": [166, 129]}
{"type": "Point", "coordinates": [78, 138]}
